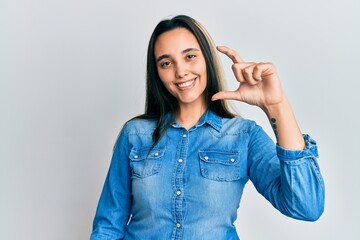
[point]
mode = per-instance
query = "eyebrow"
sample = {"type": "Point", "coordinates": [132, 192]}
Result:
{"type": "Point", "coordinates": [182, 52]}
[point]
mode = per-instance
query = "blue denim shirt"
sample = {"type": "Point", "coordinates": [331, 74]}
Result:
{"type": "Point", "coordinates": [190, 184]}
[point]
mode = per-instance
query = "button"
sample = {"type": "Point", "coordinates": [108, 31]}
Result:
{"type": "Point", "coordinates": [178, 192]}
{"type": "Point", "coordinates": [232, 160]}
{"type": "Point", "coordinates": [136, 156]}
{"type": "Point", "coordinates": [180, 160]}
{"type": "Point", "coordinates": [156, 154]}
{"type": "Point", "coordinates": [178, 225]}
{"type": "Point", "coordinates": [184, 135]}
{"type": "Point", "coordinates": [206, 158]}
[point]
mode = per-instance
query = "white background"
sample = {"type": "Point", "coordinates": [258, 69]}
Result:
{"type": "Point", "coordinates": [73, 71]}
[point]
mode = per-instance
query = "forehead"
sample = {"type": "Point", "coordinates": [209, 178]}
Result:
{"type": "Point", "coordinates": [175, 41]}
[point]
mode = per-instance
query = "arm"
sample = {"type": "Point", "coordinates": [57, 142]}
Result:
{"type": "Point", "coordinates": [289, 179]}
{"type": "Point", "coordinates": [114, 206]}
{"type": "Point", "coordinates": [286, 174]}
{"type": "Point", "coordinates": [284, 124]}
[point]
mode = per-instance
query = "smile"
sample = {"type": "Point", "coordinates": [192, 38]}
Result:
{"type": "Point", "coordinates": [186, 85]}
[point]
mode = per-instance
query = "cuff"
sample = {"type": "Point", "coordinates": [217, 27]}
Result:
{"type": "Point", "coordinates": [310, 150]}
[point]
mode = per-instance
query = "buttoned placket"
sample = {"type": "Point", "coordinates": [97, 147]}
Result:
{"type": "Point", "coordinates": [178, 185]}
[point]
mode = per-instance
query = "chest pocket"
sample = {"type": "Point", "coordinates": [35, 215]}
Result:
{"type": "Point", "coordinates": [220, 165]}
{"type": "Point", "coordinates": [144, 163]}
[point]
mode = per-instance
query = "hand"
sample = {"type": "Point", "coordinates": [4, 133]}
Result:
{"type": "Point", "coordinates": [259, 82]}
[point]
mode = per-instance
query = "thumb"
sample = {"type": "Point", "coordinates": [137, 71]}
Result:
{"type": "Point", "coordinates": [228, 95]}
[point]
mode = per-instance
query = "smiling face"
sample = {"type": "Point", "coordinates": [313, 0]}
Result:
{"type": "Point", "coordinates": [181, 66]}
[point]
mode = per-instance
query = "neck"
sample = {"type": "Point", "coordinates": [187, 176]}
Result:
{"type": "Point", "coordinates": [190, 114]}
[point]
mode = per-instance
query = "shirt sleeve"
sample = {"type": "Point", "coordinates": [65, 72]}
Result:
{"type": "Point", "coordinates": [114, 207]}
{"type": "Point", "coordinates": [289, 179]}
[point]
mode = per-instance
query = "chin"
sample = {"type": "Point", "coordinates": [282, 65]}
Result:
{"type": "Point", "coordinates": [190, 100]}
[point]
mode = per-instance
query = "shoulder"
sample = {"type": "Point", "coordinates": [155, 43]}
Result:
{"type": "Point", "coordinates": [136, 129]}
{"type": "Point", "coordinates": [139, 126]}
{"type": "Point", "coordinates": [238, 125]}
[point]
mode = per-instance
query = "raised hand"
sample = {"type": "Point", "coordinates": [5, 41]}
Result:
{"type": "Point", "coordinates": [259, 82]}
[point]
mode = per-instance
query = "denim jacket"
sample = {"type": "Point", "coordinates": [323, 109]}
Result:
{"type": "Point", "coordinates": [190, 184]}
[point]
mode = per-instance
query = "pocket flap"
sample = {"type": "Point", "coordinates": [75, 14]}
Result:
{"type": "Point", "coordinates": [142, 154]}
{"type": "Point", "coordinates": [226, 158]}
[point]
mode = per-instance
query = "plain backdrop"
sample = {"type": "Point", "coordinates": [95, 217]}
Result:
{"type": "Point", "coordinates": [73, 71]}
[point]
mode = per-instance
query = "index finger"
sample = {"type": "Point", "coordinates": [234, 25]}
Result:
{"type": "Point", "coordinates": [230, 53]}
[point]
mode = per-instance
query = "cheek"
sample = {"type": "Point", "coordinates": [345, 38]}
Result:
{"type": "Point", "coordinates": [164, 76]}
{"type": "Point", "coordinates": [202, 70]}
{"type": "Point", "coordinates": [201, 67]}
{"type": "Point", "coordinates": [166, 80]}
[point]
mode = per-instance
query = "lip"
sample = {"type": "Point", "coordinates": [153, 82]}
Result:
{"type": "Point", "coordinates": [184, 85]}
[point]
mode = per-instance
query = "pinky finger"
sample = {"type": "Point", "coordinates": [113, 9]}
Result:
{"type": "Point", "coordinates": [257, 73]}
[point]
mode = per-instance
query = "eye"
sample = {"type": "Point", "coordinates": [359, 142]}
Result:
{"type": "Point", "coordinates": [190, 56]}
{"type": "Point", "coordinates": [165, 64]}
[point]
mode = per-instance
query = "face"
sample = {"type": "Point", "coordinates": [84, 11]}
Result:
{"type": "Point", "coordinates": [181, 66]}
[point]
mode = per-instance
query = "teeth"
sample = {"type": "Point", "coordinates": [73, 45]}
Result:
{"type": "Point", "coordinates": [186, 84]}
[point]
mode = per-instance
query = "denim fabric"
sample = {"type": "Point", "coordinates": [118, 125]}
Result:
{"type": "Point", "coordinates": [190, 184]}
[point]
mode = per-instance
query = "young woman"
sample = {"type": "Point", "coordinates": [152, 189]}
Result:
{"type": "Point", "coordinates": [178, 171]}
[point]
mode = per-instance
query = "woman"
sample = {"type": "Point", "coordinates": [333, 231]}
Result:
{"type": "Point", "coordinates": [179, 170]}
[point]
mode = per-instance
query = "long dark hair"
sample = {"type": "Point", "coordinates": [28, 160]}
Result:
{"type": "Point", "coordinates": [159, 101]}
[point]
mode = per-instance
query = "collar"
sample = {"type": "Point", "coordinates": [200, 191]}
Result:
{"type": "Point", "coordinates": [209, 118]}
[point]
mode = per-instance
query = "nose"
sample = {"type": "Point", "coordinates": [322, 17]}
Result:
{"type": "Point", "coordinates": [181, 70]}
